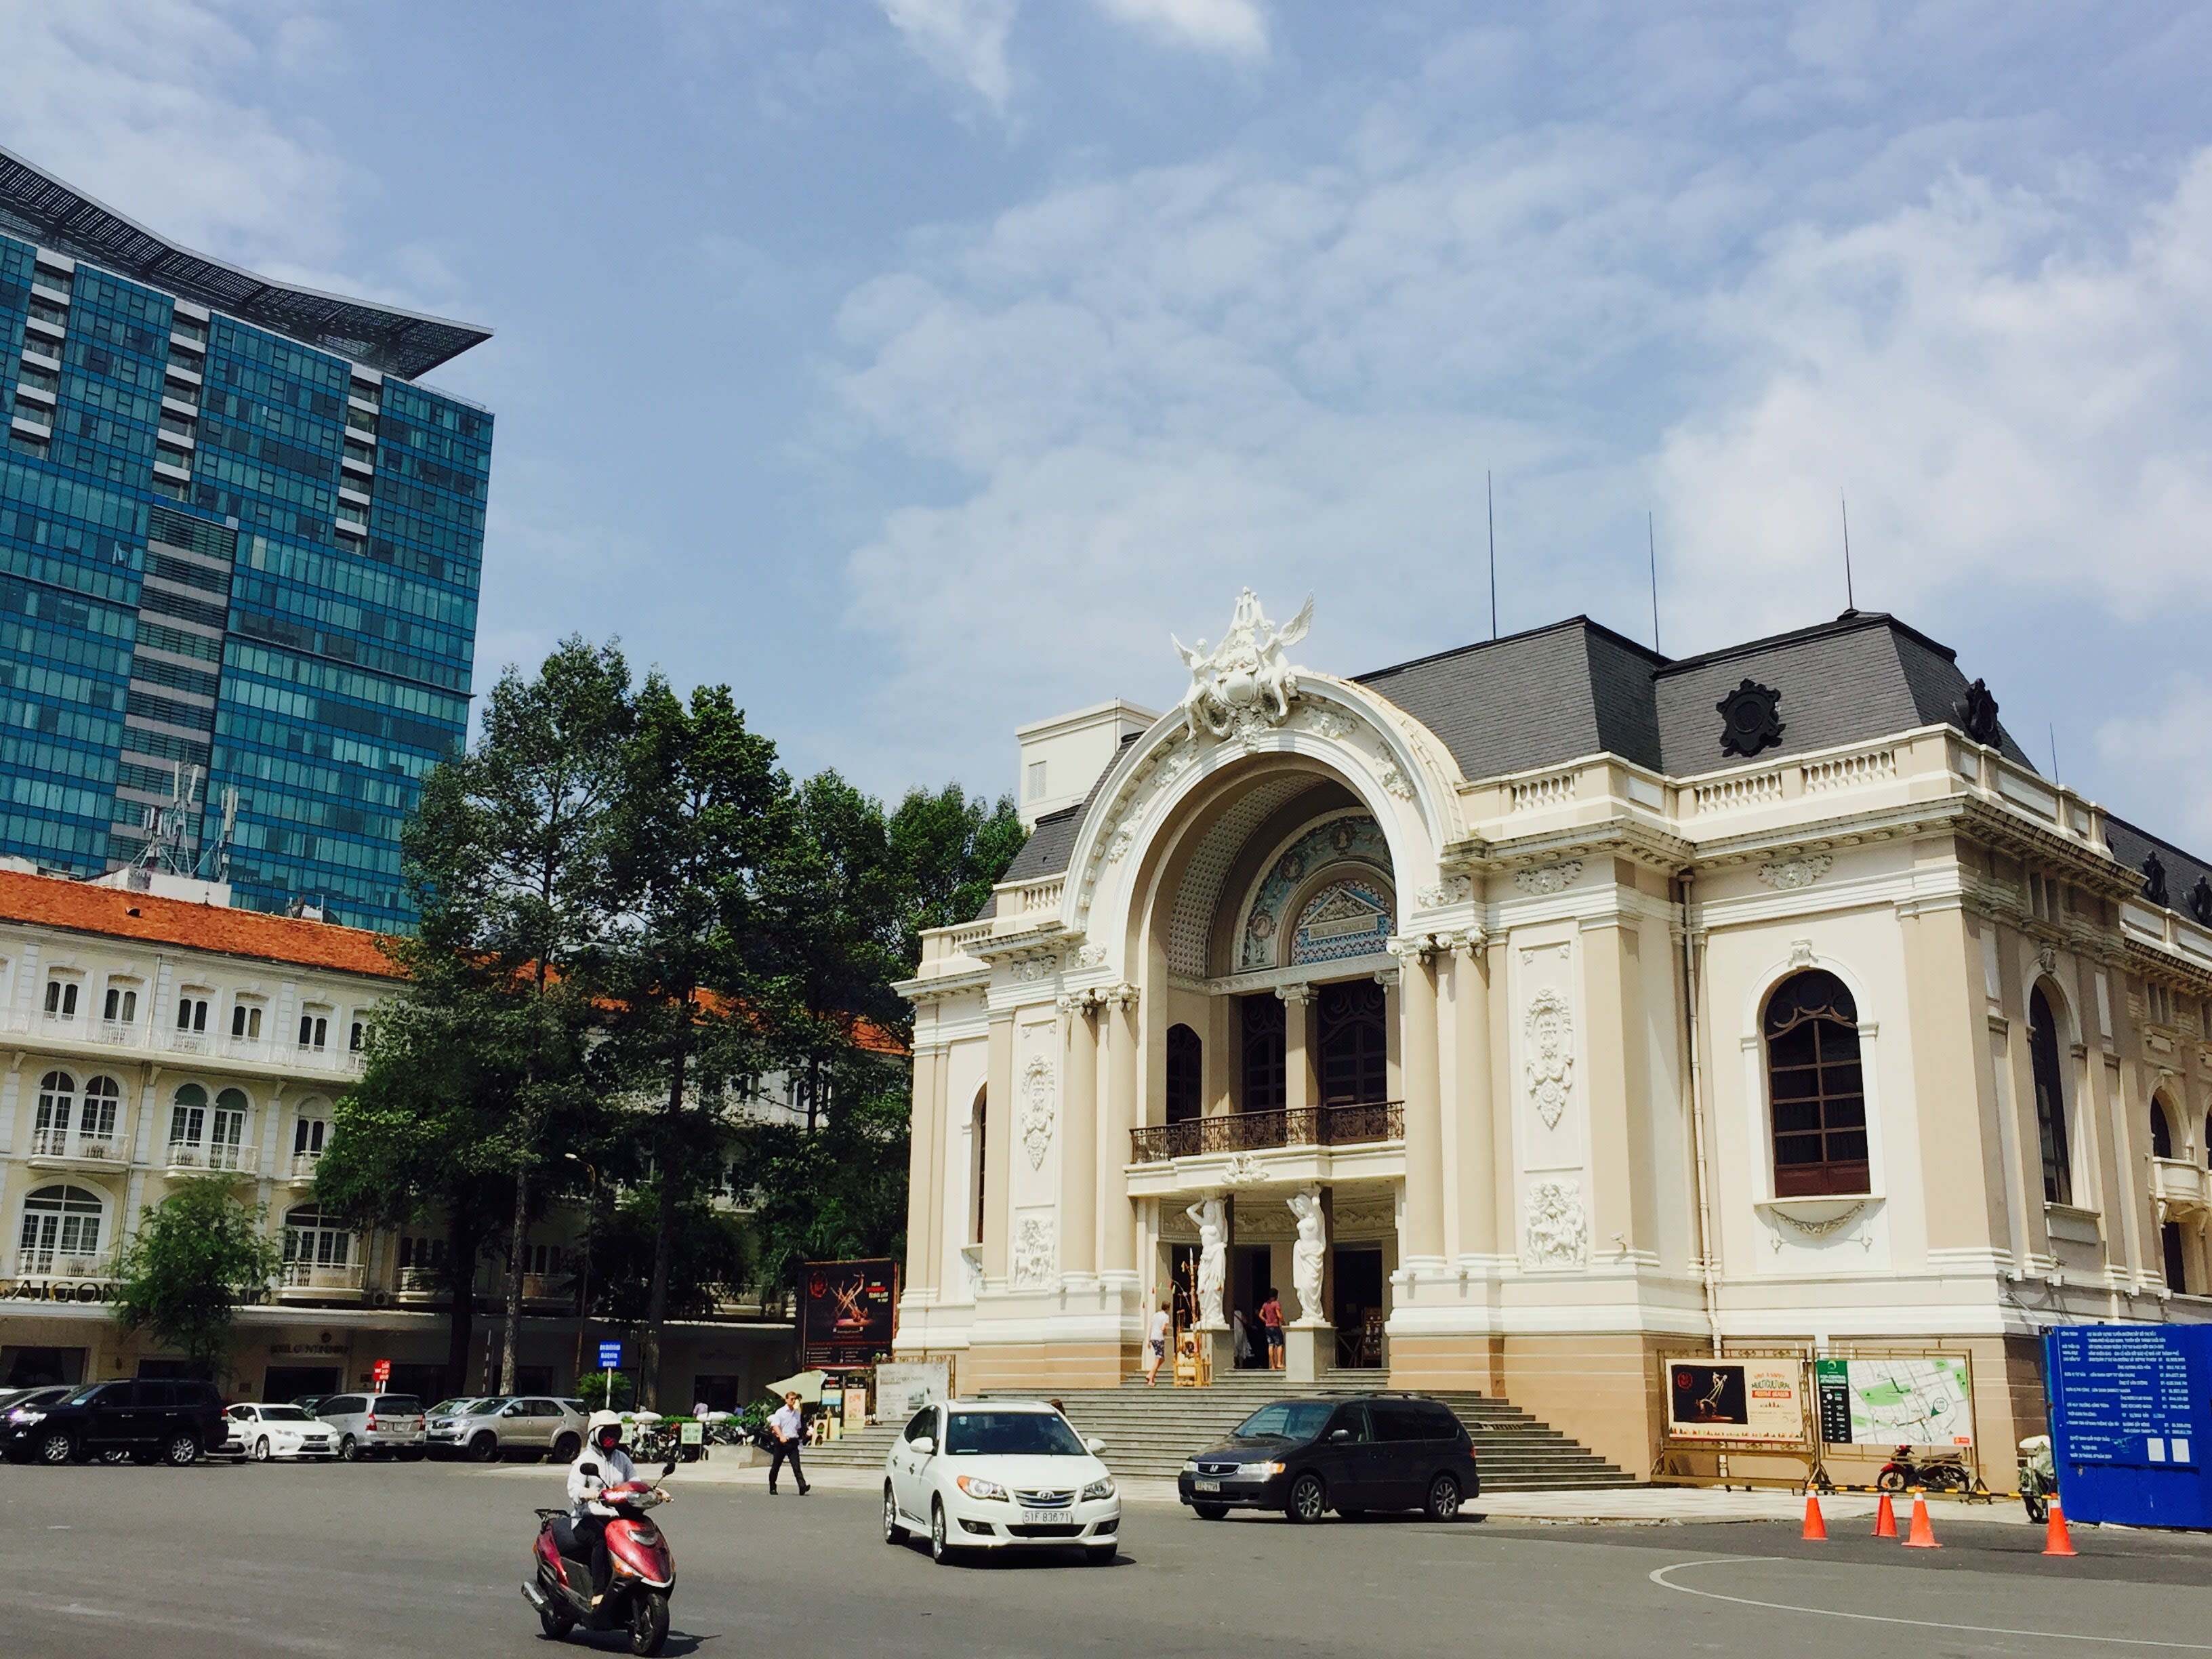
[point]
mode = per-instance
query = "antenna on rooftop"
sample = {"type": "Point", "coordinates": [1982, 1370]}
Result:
{"type": "Point", "coordinates": [1850, 598]}
{"type": "Point", "coordinates": [1490, 511]}
{"type": "Point", "coordinates": [2053, 729]}
{"type": "Point", "coordinates": [1652, 542]}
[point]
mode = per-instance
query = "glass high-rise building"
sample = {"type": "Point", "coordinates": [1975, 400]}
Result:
{"type": "Point", "coordinates": [240, 545]}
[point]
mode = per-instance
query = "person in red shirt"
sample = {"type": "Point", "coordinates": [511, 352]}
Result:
{"type": "Point", "coordinates": [1270, 1316]}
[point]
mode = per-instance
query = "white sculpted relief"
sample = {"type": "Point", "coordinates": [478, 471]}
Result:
{"type": "Point", "coordinates": [1211, 1217]}
{"type": "Point", "coordinates": [1787, 874]}
{"type": "Point", "coordinates": [1307, 1256]}
{"type": "Point", "coordinates": [1452, 889]}
{"type": "Point", "coordinates": [1033, 1253]}
{"type": "Point", "coordinates": [1246, 683]}
{"type": "Point", "coordinates": [1552, 878]}
{"type": "Point", "coordinates": [1558, 1230]}
{"type": "Point", "coordinates": [1242, 1169]}
{"type": "Point", "coordinates": [1551, 1055]}
{"type": "Point", "coordinates": [1036, 1110]}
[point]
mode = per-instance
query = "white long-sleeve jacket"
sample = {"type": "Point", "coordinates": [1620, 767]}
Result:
{"type": "Point", "coordinates": [594, 1470]}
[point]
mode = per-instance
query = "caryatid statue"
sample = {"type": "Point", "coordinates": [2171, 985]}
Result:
{"type": "Point", "coordinates": [1306, 1256]}
{"type": "Point", "coordinates": [1211, 1217]}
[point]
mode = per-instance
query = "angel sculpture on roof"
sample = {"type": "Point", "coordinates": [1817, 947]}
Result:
{"type": "Point", "coordinates": [1247, 682]}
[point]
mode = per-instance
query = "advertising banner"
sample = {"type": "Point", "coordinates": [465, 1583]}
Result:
{"type": "Point", "coordinates": [847, 1312]}
{"type": "Point", "coordinates": [1904, 1400]}
{"type": "Point", "coordinates": [902, 1389]}
{"type": "Point", "coordinates": [1750, 1401]}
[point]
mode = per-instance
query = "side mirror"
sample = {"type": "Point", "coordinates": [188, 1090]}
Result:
{"type": "Point", "coordinates": [1094, 1445]}
{"type": "Point", "coordinates": [1339, 1434]}
{"type": "Point", "coordinates": [512, 1411]}
{"type": "Point", "coordinates": [926, 1447]}
{"type": "Point", "coordinates": [668, 1468]}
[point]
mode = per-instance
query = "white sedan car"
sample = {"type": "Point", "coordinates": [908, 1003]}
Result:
{"type": "Point", "coordinates": [261, 1432]}
{"type": "Point", "coordinates": [998, 1474]}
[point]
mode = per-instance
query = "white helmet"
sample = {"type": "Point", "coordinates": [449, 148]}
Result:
{"type": "Point", "coordinates": [602, 1420]}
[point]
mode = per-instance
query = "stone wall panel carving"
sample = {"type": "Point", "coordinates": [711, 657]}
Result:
{"type": "Point", "coordinates": [1034, 1263]}
{"type": "Point", "coordinates": [1558, 1229]}
{"type": "Point", "coordinates": [1549, 1060]}
{"type": "Point", "coordinates": [1037, 1110]}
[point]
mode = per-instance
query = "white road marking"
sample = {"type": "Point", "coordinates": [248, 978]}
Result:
{"type": "Point", "coordinates": [1658, 1576]}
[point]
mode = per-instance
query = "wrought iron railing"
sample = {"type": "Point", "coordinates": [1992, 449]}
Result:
{"type": "Point", "coordinates": [1345, 1124]}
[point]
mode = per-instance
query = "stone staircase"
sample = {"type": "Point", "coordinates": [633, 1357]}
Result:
{"type": "Point", "coordinates": [1150, 1432]}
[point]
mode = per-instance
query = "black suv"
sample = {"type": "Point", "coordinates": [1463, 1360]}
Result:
{"type": "Point", "coordinates": [1304, 1457]}
{"type": "Point", "coordinates": [149, 1420]}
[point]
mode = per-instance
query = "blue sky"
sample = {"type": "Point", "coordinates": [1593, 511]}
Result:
{"type": "Point", "coordinates": [917, 364]}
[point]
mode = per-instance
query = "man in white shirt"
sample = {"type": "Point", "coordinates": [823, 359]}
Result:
{"type": "Point", "coordinates": [601, 1464]}
{"type": "Point", "coordinates": [789, 1429]}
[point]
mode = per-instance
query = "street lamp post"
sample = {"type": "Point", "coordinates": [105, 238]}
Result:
{"type": "Point", "coordinates": [583, 1292]}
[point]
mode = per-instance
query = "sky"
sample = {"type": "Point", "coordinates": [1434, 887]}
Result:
{"type": "Point", "coordinates": [917, 367]}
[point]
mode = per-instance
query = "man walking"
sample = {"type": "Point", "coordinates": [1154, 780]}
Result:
{"type": "Point", "coordinates": [789, 1429]}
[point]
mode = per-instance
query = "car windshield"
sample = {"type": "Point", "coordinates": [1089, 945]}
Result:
{"type": "Point", "coordinates": [485, 1408]}
{"type": "Point", "coordinates": [1011, 1434]}
{"type": "Point", "coordinates": [451, 1407]}
{"type": "Point", "coordinates": [282, 1414]}
{"type": "Point", "coordinates": [1293, 1420]}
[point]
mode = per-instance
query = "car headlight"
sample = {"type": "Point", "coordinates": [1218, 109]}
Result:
{"type": "Point", "coordinates": [1190, 1466]}
{"type": "Point", "coordinates": [1269, 1471]}
{"type": "Point", "coordinates": [1098, 1489]}
{"type": "Point", "coordinates": [26, 1415]}
{"type": "Point", "coordinates": [976, 1486]}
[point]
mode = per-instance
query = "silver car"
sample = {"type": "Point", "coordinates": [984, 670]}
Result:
{"type": "Point", "coordinates": [528, 1426]}
{"type": "Point", "coordinates": [375, 1425]}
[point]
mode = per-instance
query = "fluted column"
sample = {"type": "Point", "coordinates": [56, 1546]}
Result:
{"type": "Point", "coordinates": [1079, 1163]}
{"type": "Point", "coordinates": [923, 1179]}
{"type": "Point", "coordinates": [1120, 1014]}
{"type": "Point", "coordinates": [999, 1121]}
{"type": "Point", "coordinates": [1299, 1091]}
{"type": "Point", "coordinates": [1422, 1243]}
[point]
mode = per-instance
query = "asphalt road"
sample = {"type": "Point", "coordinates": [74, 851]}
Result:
{"type": "Point", "coordinates": [426, 1558]}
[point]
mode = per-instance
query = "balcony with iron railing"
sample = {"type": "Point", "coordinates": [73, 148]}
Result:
{"type": "Point", "coordinates": [1342, 1124]}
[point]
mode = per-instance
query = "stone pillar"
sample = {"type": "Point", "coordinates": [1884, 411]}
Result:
{"type": "Point", "coordinates": [1422, 1242]}
{"type": "Point", "coordinates": [1300, 1090]}
{"type": "Point", "coordinates": [922, 1179]}
{"type": "Point", "coordinates": [1120, 1005]}
{"type": "Point", "coordinates": [998, 1126]}
{"type": "Point", "coordinates": [1079, 1147]}
{"type": "Point", "coordinates": [1476, 1175]}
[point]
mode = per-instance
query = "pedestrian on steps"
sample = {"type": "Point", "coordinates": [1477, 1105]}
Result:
{"type": "Point", "coordinates": [788, 1426]}
{"type": "Point", "coordinates": [1270, 1316]}
{"type": "Point", "coordinates": [1155, 1338]}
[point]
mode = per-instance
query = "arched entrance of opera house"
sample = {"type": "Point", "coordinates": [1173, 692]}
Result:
{"type": "Point", "coordinates": [1274, 1061]}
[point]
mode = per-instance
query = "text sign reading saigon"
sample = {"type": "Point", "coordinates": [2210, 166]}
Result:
{"type": "Point", "coordinates": [1752, 1402]}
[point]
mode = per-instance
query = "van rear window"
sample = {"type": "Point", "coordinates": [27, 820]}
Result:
{"type": "Point", "coordinates": [399, 1404]}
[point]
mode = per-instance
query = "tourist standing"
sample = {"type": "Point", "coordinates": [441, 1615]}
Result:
{"type": "Point", "coordinates": [1156, 1340]}
{"type": "Point", "coordinates": [789, 1429]}
{"type": "Point", "coordinates": [1270, 1316]}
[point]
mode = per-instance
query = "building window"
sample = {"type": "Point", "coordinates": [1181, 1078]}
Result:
{"type": "Point", "coordinates": [246, 1021]}
{"type": "Point", "coordinates": [312, 1240]}
{"type": "Point", "coordinates": [61, 1226]}
{"type": "Point", "coordinates": [977, 1142]}
{"type": "Point", "coordinates": [188, 1115]}
{"type": "Point", "coordinates": [1816, 1087]}
{"type": "Point", "coordinates": [1037, 780]}
{"type": "Point", "coordinates": [57, 1101]}
{"type": "Point", "coordinates": [314, 1030]}
{"type": "Point", "coordinates": [61, 999]}
{"type": "Point", "coordinates": [1185, 1074]}
{"type": "Point", "coordinates": [2161, 1131]}
{"type": "Point", "coordinates": [103, 1100]}
{"type": "Point", "coordinates": [227, 1130]}
{"type": "Point", "coordinates": [1354, 1043]}
{"type": "Point", "coordinates": [2050, 1100]}
{"type": "Point", "coordinates": [1265, 1072]}
{"type": "Point", "coordinates": [122, 1005]}
{"type": "Point", "coordinates": [307, 1135]}
{"type": "Point", "coordinates": [191, 1013]}
{"type": "Point", "coordinates": [353, 1038]}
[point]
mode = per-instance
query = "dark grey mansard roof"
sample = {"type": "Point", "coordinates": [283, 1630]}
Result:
{"type": "Point", "coordinates": [1575, 688]}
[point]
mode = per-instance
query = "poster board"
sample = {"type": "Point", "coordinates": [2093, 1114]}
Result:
{"type": "Point", "coordinates": [1879, 1402]}
{"type": "Point", "coordinates": [904, 1388]}
{"type": "Point", "coordinates": [847, 1312]}
{"type": "Point", "coordinates": [1737, 1403]}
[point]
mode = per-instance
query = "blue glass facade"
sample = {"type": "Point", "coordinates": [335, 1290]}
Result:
{"type": "Point", "coordinates": [225, 548]}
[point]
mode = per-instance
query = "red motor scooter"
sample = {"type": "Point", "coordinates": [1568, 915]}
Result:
{"type": "Point", "coordinates": [638, 1587]}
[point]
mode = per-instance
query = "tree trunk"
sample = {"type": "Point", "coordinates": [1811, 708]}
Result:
{"type": "Point", "coordinates": [463, 1239]}
{"type": "Point", "coordinates": [518, 1258]}
{"type": "Point", "coordinates": [664, 1244]}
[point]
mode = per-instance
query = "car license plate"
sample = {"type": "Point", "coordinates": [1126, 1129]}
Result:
{"type": "Point", "coordinates": [1205, 1485]}
{"type": "Point", "coordinates": [1043, 1517]}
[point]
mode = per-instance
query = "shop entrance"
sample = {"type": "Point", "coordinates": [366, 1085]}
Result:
{"type": "Point", "coordinates": [283, 1382]}
{"type": "Point", "coordinates": [1359, 1273]}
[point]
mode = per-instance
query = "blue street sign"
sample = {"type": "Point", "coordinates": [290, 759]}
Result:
{"type": "Point", "coordinates": [2131, 1423]}
{"type": "Point", "coordinates": [610, 1356]}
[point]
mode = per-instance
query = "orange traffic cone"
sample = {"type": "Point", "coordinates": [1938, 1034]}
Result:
{"type": "Point", "coordinates": [1923, 1536]}
{"type": "Point", "coordinates": [1884, 1518]}
{"type": "Point", "coordinates": [1816, 1525]}
{"type": "Point", "coordinates": [2056, 1541]}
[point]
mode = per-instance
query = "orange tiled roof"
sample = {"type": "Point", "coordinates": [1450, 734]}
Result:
{"type": "Point", "coordinates": [118, 913]}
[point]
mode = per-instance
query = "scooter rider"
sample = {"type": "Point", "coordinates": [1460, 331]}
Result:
{"type": "Point", "coordinates": [601, 1464]}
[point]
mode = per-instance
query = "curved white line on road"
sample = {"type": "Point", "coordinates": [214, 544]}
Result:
{"type": "Point", "coordinates": [1658, 1576]}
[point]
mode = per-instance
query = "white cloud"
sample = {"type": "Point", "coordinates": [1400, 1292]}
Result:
{"type": "Point", "coordinates": [1234, 27]}
{"type": "Point", "coordinates": [965, 40]}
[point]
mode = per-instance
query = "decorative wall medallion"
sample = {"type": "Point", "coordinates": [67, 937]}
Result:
{"type": "Point", "coordinates": [1396, 781]}
{"type": "Point", "coordinates": [1551, 1055]}
{"type": "Point", "coordinates": [1552, 878]}
{"type": "Point", "coordinates": [1090, 956]}
{"type": "Point", "coordinates": [1033, 1252]}
{"type": "Point", "coordinates": [1558, 1232]}
{"type": "Point", "coordinates": [1332, 723]}
{"type": "Point", "coordinates": [1031, 969]}
{"type": "Point", "coordinates": [1242, 1169]}
{"type": "Point", "coordinates": [2046, 957]}
{"type": "Point", "coordinates": [1246, 683]}
{"type": "Point", "coordinates": [1452, 889]}
{"type": "Point", "coordinates": [1118, 849]}
{"type": "Point", "coordinates": [1977, 712]}
{"type": "Point", "coordinates": [1036, 1110]}
{"type": "Point", "coordinates": [1750, 720]}
{"type": "Point", "coordinates": [1787, 873]}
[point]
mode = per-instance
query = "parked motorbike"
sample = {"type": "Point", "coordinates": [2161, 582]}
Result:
{"type": "Point", "coordinates": [2038, 1477]}
{"type": "Point", "coordinates": [642, 1577]}
{"type": "Point", "coordinates": [1936, 1472]}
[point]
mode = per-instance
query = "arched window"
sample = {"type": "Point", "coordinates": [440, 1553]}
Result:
{"type": "Point", "coordinates": [61, 1230]}
{"type": "Point", "coordinates": [314, 1240]}
{"type": "Point", "coordinates": [1817, 1091]}
{"type": "Point", "coordinates": [2161, 1132]}
{"type": "Point", "coordinates": [103, 1100]}
{"type": "Point", "coordinates": [2208, 1140]}
{"type": "Point", "coordinates": [2050, 1100]}
{"type": "Point", "coordinates": [188, 1115]}
{"type": "Point", "coordinates": [227, 1130]}
{"type": "Point", "coordinates": [977, 1136]}
{"type": "Point", "coordinates": [57, 1101]}
{"type": "Point", "coordinates": [1185, 1074]}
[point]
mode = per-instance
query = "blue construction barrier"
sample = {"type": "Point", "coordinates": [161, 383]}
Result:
{"type": "Point", "coordinates": [2131, 1423]}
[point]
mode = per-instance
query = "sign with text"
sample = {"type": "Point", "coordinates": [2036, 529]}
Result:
{"type": "Point", "coordinates": [381, 1372]}
{"type": "Point", "coordinates": [610, 1356]}
{"type": "Point", "coordinates": [847, 1312]}
{"type": "Point", "coordinates": [1739, 1401]}
{"type": "Point", "coordinates": [2130, 1417]}
{"type": "Point", "coordinates": [902, 1389]}
{"type": "Point", "coordinates": [1904, 1400]}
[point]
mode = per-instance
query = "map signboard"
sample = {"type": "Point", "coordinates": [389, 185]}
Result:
{"type": "Point", "coordinates": [1737, 1401]}
{"type": "Point", "coordinates": [2131, 1419]}
{"type": "Point", "coordinates": [1909, 1399]}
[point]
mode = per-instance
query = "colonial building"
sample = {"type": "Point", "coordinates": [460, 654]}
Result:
{"type": "Point", "coordinates": [152, 1034]}
{"type": "Point", "coordinates": [1531, 1010]}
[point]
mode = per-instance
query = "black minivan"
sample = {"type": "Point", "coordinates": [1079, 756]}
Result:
{"type": "Point", "coordinates": [150, 1420]}
{"type": "Point", "coordinates": [1305, 1457]}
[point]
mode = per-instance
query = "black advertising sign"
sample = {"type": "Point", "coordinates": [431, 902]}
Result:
{"type": "Point", "coordinates": [847, 1312]}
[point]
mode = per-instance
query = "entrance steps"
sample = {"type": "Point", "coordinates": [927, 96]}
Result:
{"type": "Point", "coordinates": [1150, 1432]}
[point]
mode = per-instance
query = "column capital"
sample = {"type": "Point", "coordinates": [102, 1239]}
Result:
{"type": "Point", "coordinates": [1414, 947]}
{"type": "Point", "coordinates": [1123, 995]}
{"type": "Point", "coordinates": [1296, 995]}
{"type": "Point", "coordinates": [1076, 1004]}
{"type": "Point", "coordinates": [1463, 941]}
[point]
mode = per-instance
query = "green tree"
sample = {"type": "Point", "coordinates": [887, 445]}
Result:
{"type": "Point", "coordinates": [707, 1259]}
{"type": "Point", "coordinates": [947, 848]}
{"type": "Point", "coordinates": [196, 1256]}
